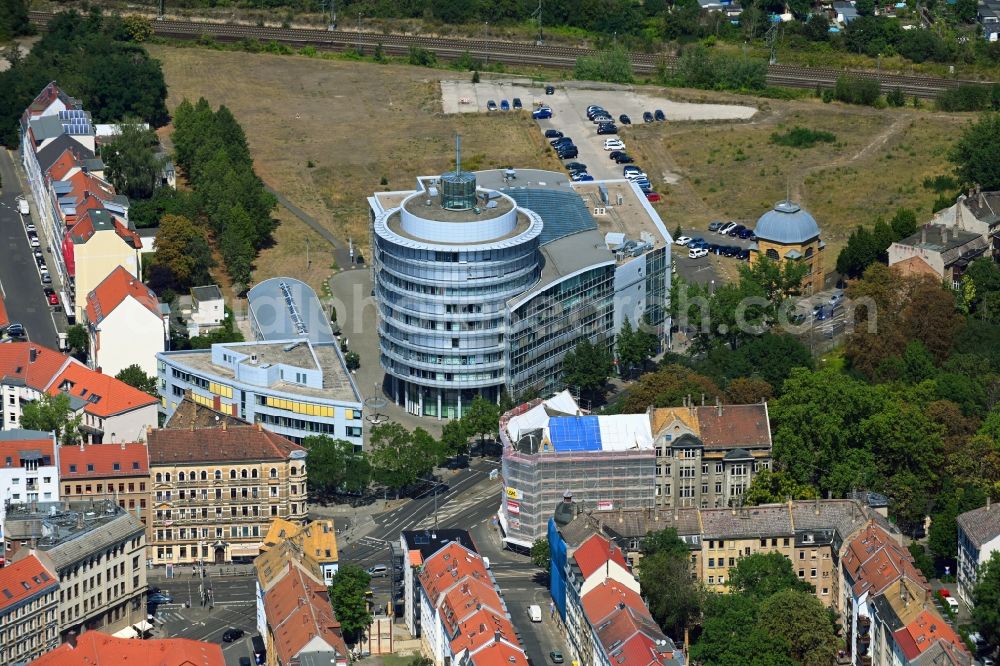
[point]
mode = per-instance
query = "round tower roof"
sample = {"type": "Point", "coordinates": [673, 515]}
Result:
{"type": "Point", "coordinates": [786, 223]}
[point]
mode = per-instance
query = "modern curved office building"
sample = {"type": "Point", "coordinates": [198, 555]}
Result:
{"type": "Point", "coordinates": [483, 289]}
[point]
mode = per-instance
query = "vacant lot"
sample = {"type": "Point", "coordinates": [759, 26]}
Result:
{"type": "Point", "coordinates": [325, 133]}
{"type": "Point", "coordinates": [733, 171]}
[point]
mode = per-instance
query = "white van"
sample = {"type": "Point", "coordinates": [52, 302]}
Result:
{"type": "Point", "coordinates": [22, 206]}
{"type": "Point", "coordinates": [535, 613]}
{"type": "Point", "coordinates": [952, 603]}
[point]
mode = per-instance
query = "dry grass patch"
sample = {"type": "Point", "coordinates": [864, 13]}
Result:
{"type": "Point", "coordinates": [298, 252]}
{"type": "Point", "coordinates": [355, 123]}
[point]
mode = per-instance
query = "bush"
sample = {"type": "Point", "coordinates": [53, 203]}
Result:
{"type": "Point", "coordinates": [422, 57]}
{"type": "Point", "coordinates": [855, 90]}
{"type": "Point", "coordinates": [895, 97]}
{"type": "Point", "coordinates": [969, 97]}
{"type": "Point", "coordinates": [802, 137]}
{"type": "Point", "coordinates": [612, 65]}
{"type": "Point", "coordinates": [697, 68]}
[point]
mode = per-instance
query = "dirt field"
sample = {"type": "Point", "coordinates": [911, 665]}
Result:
{"type": "Point", "coordinates": [358, 123]}
{"type": "Point", "coordinates": [355, 123]}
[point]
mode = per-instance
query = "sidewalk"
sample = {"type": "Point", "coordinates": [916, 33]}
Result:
{"type": "Point", "coordinates": [158, 574]}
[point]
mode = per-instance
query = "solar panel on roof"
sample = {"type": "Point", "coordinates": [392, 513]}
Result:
{"type": "Point", "coordinates": [563, 212]}
{"type": "Point", "coordinates": [575, 433]}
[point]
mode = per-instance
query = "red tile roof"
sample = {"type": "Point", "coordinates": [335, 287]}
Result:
{"type": "Point", "coordinates": [46, 97]}
{"type": "Point", "coordinates": [84, 182]}
{"type": "Point", "coordinates": [499, 654]}
{"type": "Point", "coordinates": [737, 425]}
{"type": "Point", "coordinates": [75, 461]}
{"type": "Point", "coordinates": [923, 632]}
{"type": "Point", "coordinates": [112, 292]}
{"type": "Point", "coordinates": [603, 599]}
{"type": "Point", "coordinates": [594, 553]}
{"type": "Point", "coordinates": [104, 395]}
{"type": "Point", "coordinates": [874, 560]}
{"type": "Point", "coordinates": [63, 165]}
{"type": "Point", "coordinates": [624, 626]}
{"type": "Point", "coordinates": [12, 448]}
{"type": "Point", "coordinates": [447, 567]}
{"type": "Point", "coordinates": [37, 371]}
{"type": "Point", "coordinates": [93, 648]}
{"type": "Point", "coordinates": [298, 610]}
{"type": "Point", "coordinates": [251, 442]}
{"type": "Point", "coordinates": [24, 580]}
{"type": "Point", "coordinates": [84, 229]}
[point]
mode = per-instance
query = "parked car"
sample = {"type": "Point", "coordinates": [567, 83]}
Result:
{"type": "Point", "coordinates": [835, 298]}
{"type": "Point", "coordinates": [30, 227]}
{"type": "Point", "coordinates": [730, 251]}
{"type": "Point", "coordinates": [491, 105]}
{"type": "Point", "coordinates": [682, 240]}
{"type": "Point", "coordinates": [46, 278]}
{"type": "Point", "coordinates": [553, 134]}
{"type": "Point", "coordinates": [36, 252]}
{"type": "Point", "coordinates": [727, 228]}
{"type": "Point", "coordinates": [744, 234]}
{"type": "Point", "coordinates": [504, 105]}
{"type": "Point", "coordinates": [713, 248]}
{"type": "Point", "coordinates": [614, 144]}
{"type": "Point", "coordinates": [517, 104]}
{"type": "Point", "coordinates": [40, 261]}
{"type": "Point", "coordinates": [16, 330]}
{"type": "Point", "coordinates": [568, 153]}
{"type": "Point", "coordinates": [624, 159]}
{"type": "Point", "coordinates": [607, 129]}
{"type": "Point", "coordinates": [561, 141]}
{"type": "Point", "coordinates": [583, 178]}
{"type": "Point", "coordinates": [615, 153]}
{"type": "Point", "coordinates": [232, 634]}
{"type": "Point", "coordinates": [735, 231]}
{"type": "Point", "coordinates": [630, 169]}
{"type": "Point", "coordinates": [378, 571]}
{"type": "Point", "coordinates": [22, 206]}
{"type": "Point", "coordinates": [744, 255]}
{"type": "Point", "coordinates": [624, 119]}
{"type": "Point", "coordinates": [542, 113]}
{"type": "Point", "coordinates": [715, 226]}
{"type": "Point", "coordinates": [647, 117]}
{"type": "Point", "coordinates": [636, 175]}
{"type": "Point", "coordinates": [698, 242]}
{"type": "Point", "coordinates": [653, 197]}
{"type": "Point", "coordinates": [576, 166]}
{"type": "Point", "coordinates": [48, 292]}
{"type": "Point", "coordinates": [550, 90]}
{"type": "Point", "coordinates": [577, 176]}
{"type": "Point", "coordinates": [556, 656]}
{"type": "Point", "coordinates": [34, 242]}
{"type": "Point", "coordinates": [161, 597]}
{"type": "Point", "coordinates": [697, 253]}
{"type": "Point", "coordinates": [659, 115]}
{"type": "Point", "coordinates": [53, 299]}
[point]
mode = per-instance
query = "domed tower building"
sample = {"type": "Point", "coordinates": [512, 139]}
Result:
{"type": "Point", "coordinates": [789, 233]}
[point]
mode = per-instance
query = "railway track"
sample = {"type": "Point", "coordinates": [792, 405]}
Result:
{"type": "Point", "coordinates": [509, 53]}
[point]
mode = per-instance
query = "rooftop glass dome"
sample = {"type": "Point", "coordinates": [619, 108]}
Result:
{"type": "Point", "coordinates": [787, 224]}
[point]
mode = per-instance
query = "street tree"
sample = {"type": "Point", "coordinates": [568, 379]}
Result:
{"type": "Point", "coordinates": [540, 553]}
{"type": "Point", "coordinates": [132, 163]}
{"type": "Point", "coordinates": [665, 541]}
{"type": "Point", "coordinates": [986, 596]}
{"type": "Point", "coordinates": [77, 339]}
{"type": "Point", "coordinates": [769, 487]}
{"type": "Point", "coordinates": [335, 466]}
{"type": "Point", "coordinates": [976, 161]}
{"type": "Point", "coordinates": [730, 635]}
{"type": "Point", "coordinates": [674, 596]}
{"type": "Point", "coordinates": [482, 418]}
{"type": "Point", "coordinates": [761, 575]}
{"type": "Point", "coordinates": [51, 413]}
{"type": "Point", "coordinates": [634, 348]}
{"type": "Point", "coordinates": [455, 437]}
{"type": "Point", "coordinates": [587, 367]}
{"type": "Point", "coordinates": [347, 596]}
{"type": "Point", "coordinates": [800, 619]}
{"type": "Point", "coordinates": [135, 377]}
{"type": "Point", "coordinates": [392, 456]}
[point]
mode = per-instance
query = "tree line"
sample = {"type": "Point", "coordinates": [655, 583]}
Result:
{"type": "Point", "coordinates": [92, 57]}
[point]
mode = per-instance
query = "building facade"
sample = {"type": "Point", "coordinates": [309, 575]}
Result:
{"type": "Point", "coordinates": [978, 539]}
{"type": "Point", "coordinates": [789, 233]}
{"type": "Point", "coordinates": [124, 323]}
{"type": "Point", "coordinates": [707, 456]}
{"type": "Point", "coordinates": [109, 409]}
{"type": "Point", "coordinates": [29, 610]}
{"type": "Point", "coordinates": [295, 387]}
{"type": "Point", "coordinates": [216, 491]}
{"type": "Point", "coordinates": [483, 289]}
{"type": "Point", "coordinates": [415, 547]}
{"type": "Point", "coordinates": [27, 370]}
{"type": "Point", "coordinates": [98, 552]}
{"type": "Point", "coordinates": [318, 539]}
{"type": "Point", "coordinates": [116, 472]}
{"type": "Point", "coordinates": [29, 470]}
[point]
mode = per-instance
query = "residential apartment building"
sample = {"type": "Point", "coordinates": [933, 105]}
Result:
{"type": "Point", "coordinates": [599, 599]}
{"type": "Point", "coordinates": [707, 456]}
{"type": "Point", "coordinates": [116, 472]}
{"type": "Point", "coordinates": [29, 470]}
{"type": "Point", "coordinates": [295, 387]}
{"type": "Point", "coordinates": [126, 324]}
{"type": "Point", "coordinates": [887, 611]}
{"type": "Point", "coordinates": [318, 539]}
{"type": "Point", "coordinates": [294, 614]}
{"type": "Point", "coordinates": [978, 539]}
{"type": "Point", "coordinates": [29, 608]}
{"type": "Point", "coordinates": [215, 491]}
{"type": "Point", "coordinates": [94, 247]}
{"type": "Point", "coordinates": [27, 370]}
{"type": "Point", "coordinates": [95, 647]}
{"type": "Point", "coordinates": [415, 547]}
{"type": "Point", "coordinates": [204, 310]}
{"type": "Point", "coordinates": [464, 619]}
{"type": "Point", "coordinates": [98, 552]}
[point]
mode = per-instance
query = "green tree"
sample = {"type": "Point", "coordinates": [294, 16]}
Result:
{"type": "Point", "coordinates": [540, 554]}
{"type": "Point", "coordinates": [335, 466]}
{"type": "Point", "coordinates": [762, 575]}
{"type": "Point", "coordinates": [665, 541]}
{"type": "Point", "coordinates": [800, 619]}
{"type": "Point", "coordinates": [986, 597]}
{"type": "Point", "coordinates": [77, 339]}
{"type": "Point", "coordinates": [612, 65]}
{"type": "Point", "coordinates": [392, 456]}
{"type": "Point", "coordinates": [51, 413]}
{"type": "Point", "coordinates": [347, 596]}
{"type": "Point", "coordinates": [482, 418]}
{"type": "Point", "coordinates": [133, 165]}
{"type": "Point", "coordinates": [587, 367]}
{"type": "Point", "coordinates": [634, 348]}
{"type": "Point", "coordinates": [668, 387]}
{"type": "Point", "coordinates": [135, 377]}
{"type": "Point", "coordinates": [731, 636]}
{"type": "Point", "coordinates": [455, 437]}
{"type": "Point", "coordinates": [14, 19]}
{"type": "Point", "coordinates": [182, 256]}
{"type": "Point", "coordinates": [769, 487]}
{"type": "Point", "coordinates": [976, 162]}
{"type": "Point", "coordinates": [674, 597]}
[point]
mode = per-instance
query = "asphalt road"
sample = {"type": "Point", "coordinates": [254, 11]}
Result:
{"type": "Point", "coordinates": [19, 281]}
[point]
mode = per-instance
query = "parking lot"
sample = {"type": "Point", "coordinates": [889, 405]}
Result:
{"type": "Point", "coordinates": [569, 112]}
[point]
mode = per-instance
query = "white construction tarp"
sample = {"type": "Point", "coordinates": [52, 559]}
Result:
{"type": "Point", "coordinates": [563, 402]}
{"type": "Point", "coordinates": [625, 432]}
{"type": "Point", "coordinates": [533, 419]}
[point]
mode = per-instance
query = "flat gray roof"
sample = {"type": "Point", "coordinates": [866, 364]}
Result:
{"type": "Point", "coordinates": [209, 292]}
{"type": "Point", "coordinates": [283, 308]}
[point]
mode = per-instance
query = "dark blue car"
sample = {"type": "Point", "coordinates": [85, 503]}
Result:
{"type": "Point", "coordinates": [543, 113]}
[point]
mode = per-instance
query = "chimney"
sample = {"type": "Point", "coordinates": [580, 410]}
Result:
{"type": "Point", "coordinates": [923, 234]}
{"type": "Point", "coordinates": [816, 505]}
{"type": "Point", "coordinates": [71, 640]}
{"type": "Point", "coordinates": [987, 502]}
{"type": "Point", "coordinates": [224, 425]}
{"type": "Point", "coordinates": [32, 355]}
{"type": "Point", "coordinates": [718, 407]}
{"type": "Point", "coordinates": [702, 399]}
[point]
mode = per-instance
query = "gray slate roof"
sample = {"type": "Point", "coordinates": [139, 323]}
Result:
{"type": "Point", "coordinates": [121, 528]}
{"type": "Point", "coordinates": [981, 525]}
{"type": "Point", "coordinates": [283, 308]}
{"type": "Point", "coordinates": [786, 223]}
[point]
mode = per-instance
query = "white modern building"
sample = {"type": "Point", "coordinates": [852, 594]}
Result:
{"type": "Point", "coordinates": [29, 470]}
{"type": "Point", "coordinates": [282, 308]}
{"type": "Point", "coordinates": [125, 324]}
{"type": "Point", "coordinates": [293, 387]}
{"type": "Point", "coordinates": [978, 539]}
{"type": "Point", "coordinates": [483, 281]}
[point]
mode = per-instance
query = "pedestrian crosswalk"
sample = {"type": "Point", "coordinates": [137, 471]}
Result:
{"type": "Point", "coordinates": [456, 507]}
{"type": "Point", "coordinates": [372, 542]}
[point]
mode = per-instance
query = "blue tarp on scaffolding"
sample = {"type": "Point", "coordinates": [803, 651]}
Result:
{"type": "Point", "coordinates": [575, 433]}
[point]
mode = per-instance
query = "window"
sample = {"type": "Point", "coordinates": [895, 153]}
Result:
{"type": "Point", "coordinates": [116, 467]}
{"type": "Point", "coordinates": [232, 474]}
{"type": "Point", "coordinates": [812, 573]}
{"type": "Point", "coordinates": [180, 476]}
{"type": "Point", "coordinates": [274, 473]}
{"type": "Point", "coordinates": [159, 477]}
{"type": "Point", "coordinates": [718, 468]}
{"type": "Point", "coordinates": [711, 562]}
{"type": "Point", "coordinates": [772, 254]}
{"type": "Point", "coordinates": [218, 475]}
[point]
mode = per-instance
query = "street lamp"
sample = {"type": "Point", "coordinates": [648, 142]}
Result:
{"type": "Point", "coordinates": [435, 492]}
